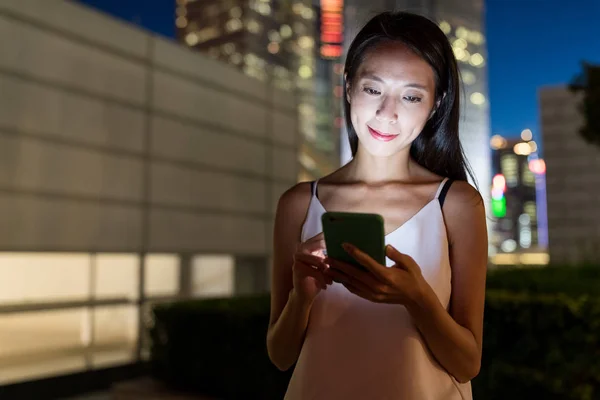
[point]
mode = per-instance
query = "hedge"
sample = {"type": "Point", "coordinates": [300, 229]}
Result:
{"type": "Point", "coordinates": [216, 348]}
{"type": "Point", "coordinates": [572, 281]}
{"type": "Point", "coordinates": [540, 346]}
{"type": "Point", "coordinates": [536, 345]}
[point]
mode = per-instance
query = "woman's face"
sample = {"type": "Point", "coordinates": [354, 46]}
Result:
{"type": "Point", "coordinates": [391, 98]}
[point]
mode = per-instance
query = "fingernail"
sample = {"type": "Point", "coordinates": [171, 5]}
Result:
{"type": "Point", "coordinates": [347, 246]}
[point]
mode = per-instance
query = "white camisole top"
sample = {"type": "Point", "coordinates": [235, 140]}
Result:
{"type": "Point", "coordinates": [355, 349]}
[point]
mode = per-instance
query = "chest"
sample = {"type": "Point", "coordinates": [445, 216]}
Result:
{"type": "Point", "coordinates": [395, 207]}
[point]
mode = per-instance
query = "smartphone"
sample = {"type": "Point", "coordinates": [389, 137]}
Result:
{"type": "Point", "coordinates": [364, 231]}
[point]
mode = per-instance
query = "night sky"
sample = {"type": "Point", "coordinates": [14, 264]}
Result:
{"type": "Point", "coordinates": [531, 43]}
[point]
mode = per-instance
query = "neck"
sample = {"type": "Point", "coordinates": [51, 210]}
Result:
{"type": "Point", "coordinates": [368, 168]}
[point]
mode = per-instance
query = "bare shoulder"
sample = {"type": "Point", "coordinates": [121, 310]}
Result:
{"type": "Point", "coordinates": [292, 209]}
{"type": "Point", "coordinates": [464, 211]}
{"type": "Point", "coordinates": [295, 198]}
{"type": "Point", "coordinates": [462, 197]}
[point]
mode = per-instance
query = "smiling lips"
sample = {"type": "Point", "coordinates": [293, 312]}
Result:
{"type": "Point", "coordinates": [381, 136]}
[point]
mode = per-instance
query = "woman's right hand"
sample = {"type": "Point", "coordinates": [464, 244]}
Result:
{"type": "Point", "coordinates": [308, 267]}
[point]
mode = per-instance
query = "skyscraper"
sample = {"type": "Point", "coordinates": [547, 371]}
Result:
{"type": "Point", "coordinates": [573, 179]}
{"type": "Point", "coordinates": [275, 41]}
{"type": "Point", "coordinates": [517, 207]}
{"type": "Point", "coordinates": [463, 23]}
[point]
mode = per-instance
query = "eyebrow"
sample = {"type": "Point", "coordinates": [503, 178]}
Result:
{"type": "Point", "coordinates": [374, 77]}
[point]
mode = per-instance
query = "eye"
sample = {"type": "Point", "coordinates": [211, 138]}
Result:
{"type": "Point", "coordinates": [371, 91]}
{"type": "Point", "coordinates": [412, 99]}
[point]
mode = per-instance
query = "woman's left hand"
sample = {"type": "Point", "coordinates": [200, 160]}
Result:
{"type": "Point", "coordinates": [401, 284]}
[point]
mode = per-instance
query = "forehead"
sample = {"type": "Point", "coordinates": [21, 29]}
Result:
{"type": "Point", "coordinates": [396, 61]}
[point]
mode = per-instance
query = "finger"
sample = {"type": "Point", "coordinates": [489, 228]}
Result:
{"type": "Point", "coordinates": [401, 260]}
{"type": "Point", "coordinates": [315, 262]}
{"type": "Point", "coordinates": [349, 269]}
{"type": "Point", "coordinates": [365, 260]}
{"type": "Point", "coordinates": [352, 288]}
{"type": "Point", "coordinates": [343, 278]}
{"type": "Point", "coordinates": [308, 271]}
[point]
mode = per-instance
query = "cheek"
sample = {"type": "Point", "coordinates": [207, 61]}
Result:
{"type": "Point", "coordinates": [413, 118]}
{"type": "Point", "coordinates": [363, 110]}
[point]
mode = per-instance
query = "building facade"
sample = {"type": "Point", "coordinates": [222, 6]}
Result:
{"type": "Point", "coordinates": [132, 171]}
{"type": "Point", "coordinates": [515, 206]}
{"type": "Point", "coordinates": [573, 179]}
{"type": "Point", "coordinates": [277, 42]}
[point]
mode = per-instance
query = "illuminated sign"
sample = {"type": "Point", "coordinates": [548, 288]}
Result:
{"type": "Point", "coordinates": [499, 207]}
{"type": "Point", "coordinates": [332, 28]}
{"type": "Point", "coordinates": [498, 199]}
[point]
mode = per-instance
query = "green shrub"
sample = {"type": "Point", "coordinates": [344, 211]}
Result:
{"type": "Point", "coordinates": [540, 346]}
{"type": "Point", "coordinates": [216, 348]}
{"type": "Point", "coordinates": [537, 344]}
{"type": "Point", "coordinates": [554, 279]}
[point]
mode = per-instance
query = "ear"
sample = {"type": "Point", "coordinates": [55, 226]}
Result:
{"type": "Point", "coordinates": [347, 88]}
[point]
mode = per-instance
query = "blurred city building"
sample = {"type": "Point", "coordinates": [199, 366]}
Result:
{"type": "Point", "coordinates": [132, 171]}
{"type": "Point", "coordinates": [518, 206]}
{"type": "Point", "coordinates": [463, 23]}
{"type": "Point", "coordinates": [573, 179]}
{"type": "Point", "coordinates": [279, 42]}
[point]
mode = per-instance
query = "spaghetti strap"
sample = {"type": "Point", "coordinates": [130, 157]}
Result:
{"type": "Point", "coordinates": [442, 195]}
{"type": "Point", "coordinates": [437, 194]}
{"type": "Point", "coordinates": [313, 187]}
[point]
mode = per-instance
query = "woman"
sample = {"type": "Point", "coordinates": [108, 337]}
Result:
{"type": "Point", "coordinates": [411, 329]}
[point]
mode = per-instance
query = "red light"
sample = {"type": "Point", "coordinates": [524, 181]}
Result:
{"type": "Point", "coordinates": [331, 50]}
{"type": "Point", "coordinates": [332, 5]}
{"type": "Point", "coordinates": [331, 37]}
{"type": "Point", "coordinates": [337, 91]}
{"type": "Point", "coordinates": [499, 182]}
{"type": "Point", "coordinates": [537, 166]}
{"type": "Point", "coordinates": [332, 28]}
{"type": "Point", "coordinates": [331, 19]}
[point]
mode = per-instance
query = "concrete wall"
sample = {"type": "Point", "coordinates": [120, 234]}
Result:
{"type": "Point", "coordinates": [572, 179]}
{"type": "Point", "coordinates": [114, 140]}
{"type": "Point", "coordinates": [132, 171]}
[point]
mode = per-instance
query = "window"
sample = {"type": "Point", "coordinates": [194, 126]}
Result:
{"type": "Point", "coordinates": [162, 275]}
{"type": "Point", "coordinates": [97, 324]}
{"type": "Point", "coordinates": [509, 168]}
{"type": "Point", "coordinates": [213, 275]}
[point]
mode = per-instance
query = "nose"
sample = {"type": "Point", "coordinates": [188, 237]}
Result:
{"type": "Point", "coordinates": [387, 111]}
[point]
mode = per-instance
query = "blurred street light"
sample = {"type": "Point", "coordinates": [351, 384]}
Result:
{"type": "Point", "coordinates": [526, 134]}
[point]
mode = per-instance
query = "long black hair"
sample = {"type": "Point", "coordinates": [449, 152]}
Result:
{"type": "Point", "coordinates": [438, 147]}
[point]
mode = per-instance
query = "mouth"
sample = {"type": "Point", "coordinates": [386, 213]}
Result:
{"type": "Point", "coordinates": [384, 137]}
